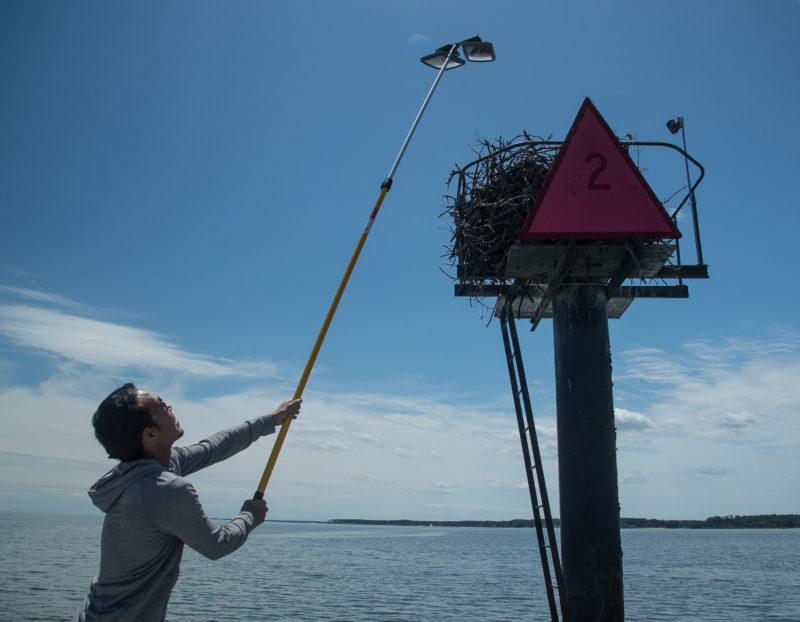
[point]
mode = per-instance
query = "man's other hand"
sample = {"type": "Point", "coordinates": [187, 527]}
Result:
{"type": "Point", "coordinates": [289, 409]}
{"type": "Point", "coordinates": [258, 508]}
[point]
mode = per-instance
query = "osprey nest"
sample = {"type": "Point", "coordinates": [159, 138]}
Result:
{"type": "Point", "coordinates": [494, 196]}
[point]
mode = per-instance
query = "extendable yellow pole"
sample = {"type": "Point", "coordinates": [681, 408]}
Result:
{"type": "Point", "coordinates": [298, 392]}
{"type": "Point", "coordinates": [385, 187]}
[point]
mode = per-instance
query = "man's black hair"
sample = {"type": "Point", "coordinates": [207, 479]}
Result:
{"type": "Point", "coordinates": [119, 422]}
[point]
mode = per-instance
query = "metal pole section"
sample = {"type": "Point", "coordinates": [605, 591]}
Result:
{"type": "Point", "coordinates": [385, 187]}
{"type": "Point", "coordinates": [591, 552]}
{"type": "Point", "coordinates": [691, 198]}
{"type": "Point", "coordinates": [419, 114]}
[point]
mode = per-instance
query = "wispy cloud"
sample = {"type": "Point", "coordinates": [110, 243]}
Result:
{"type": "Point", "coordinates": [104, 344]}
{"type": "Point", "coordinates": [712, 389]}
{"type": "Point", "coordinates": [418, 41]}
{"type": "Point", "coordinates": [38, 296]}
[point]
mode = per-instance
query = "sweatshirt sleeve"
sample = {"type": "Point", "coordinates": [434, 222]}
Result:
{"type": "Point", "coordinates": [177, 510]}
{"type": "Point", "coordinates": [220, 446]}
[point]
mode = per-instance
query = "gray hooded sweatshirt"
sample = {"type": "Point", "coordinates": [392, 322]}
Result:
{"type": "Point", "coordinates": [151, 511]}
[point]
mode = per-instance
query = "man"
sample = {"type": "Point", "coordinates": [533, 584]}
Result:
{"type": "Point", "coordinates": [151, 510]}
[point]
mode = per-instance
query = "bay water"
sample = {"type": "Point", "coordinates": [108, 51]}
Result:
{"type": "Point", "coordinates": [361, 573]}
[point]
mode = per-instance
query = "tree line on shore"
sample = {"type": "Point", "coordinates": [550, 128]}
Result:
{"type": "Point", "coordinates": [759, 521]}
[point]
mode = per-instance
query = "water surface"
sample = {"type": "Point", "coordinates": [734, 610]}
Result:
{"type": "Point", "coordinates": [361, 573]}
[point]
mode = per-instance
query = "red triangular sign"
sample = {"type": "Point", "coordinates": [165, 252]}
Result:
{"type": "Point", "coordinates": [595, 191]}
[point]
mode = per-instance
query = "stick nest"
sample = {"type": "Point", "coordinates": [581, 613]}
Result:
{"type": "Point", "coordinates": [494, 195]}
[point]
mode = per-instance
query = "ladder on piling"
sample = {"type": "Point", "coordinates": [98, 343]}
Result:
{"type": "Point", "coordinates": [533, 462]}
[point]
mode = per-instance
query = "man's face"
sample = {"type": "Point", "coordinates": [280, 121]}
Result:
{"type": "Point", "coordinates": [169, 428]}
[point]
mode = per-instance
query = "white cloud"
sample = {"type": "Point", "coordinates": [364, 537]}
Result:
{"type": "Point", "coordinates": [627, 420]}
{"type": "Point", "coordinates": [714, 389]}
{"type": "Point", "coordinates": [347, 455]}
{"type": "Point", "coordinates": [104, 344]}
{"type": "Point", "coordinates": [700, 425]}
{"type": "Point", "coordinates": [707, 423]}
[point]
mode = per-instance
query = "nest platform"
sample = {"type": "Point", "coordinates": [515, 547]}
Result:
{"type": "Point", "coordinates": [494, 196]}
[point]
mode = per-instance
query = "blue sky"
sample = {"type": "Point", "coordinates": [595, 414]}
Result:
{"type": "Point", "coordinates": [183, 183]}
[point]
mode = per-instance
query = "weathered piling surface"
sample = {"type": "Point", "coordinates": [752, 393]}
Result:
{"type": "Point", "coordinates": [591, 552]}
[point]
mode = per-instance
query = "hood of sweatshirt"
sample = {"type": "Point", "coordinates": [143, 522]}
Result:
{"type": "Point", "coordinates": [109, 487]}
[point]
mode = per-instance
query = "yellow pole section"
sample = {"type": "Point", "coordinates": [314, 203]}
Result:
{"type": "Point", "coordinates": [298, 393]}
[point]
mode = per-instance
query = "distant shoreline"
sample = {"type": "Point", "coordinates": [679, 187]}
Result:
{"type": "Point", "coordinates": [759, 521]}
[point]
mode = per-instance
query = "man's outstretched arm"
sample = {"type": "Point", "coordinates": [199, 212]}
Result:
{"type": "Point", "coordinates": [224, 444]}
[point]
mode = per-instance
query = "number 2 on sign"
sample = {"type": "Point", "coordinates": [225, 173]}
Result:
{"type": "Point", "coordinates": [601, 166]}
